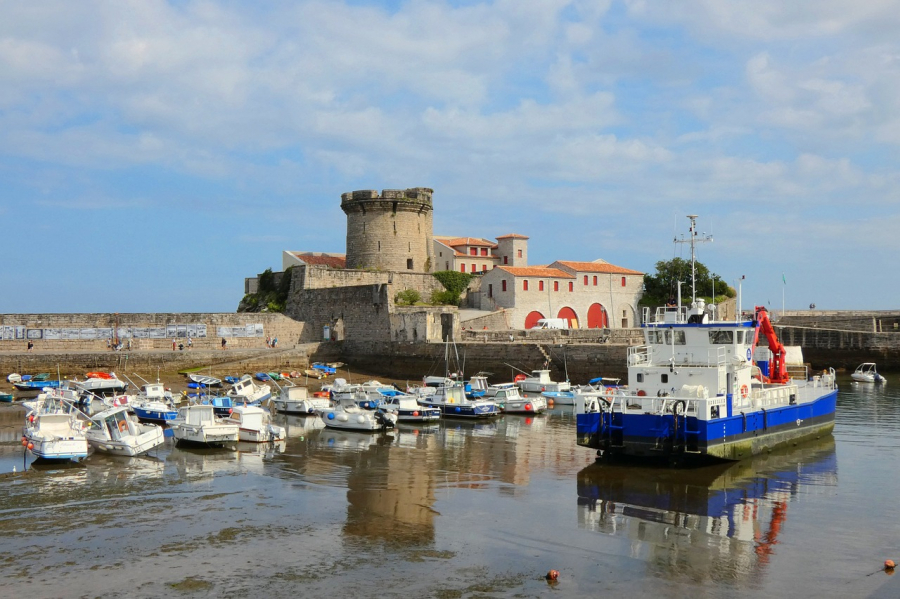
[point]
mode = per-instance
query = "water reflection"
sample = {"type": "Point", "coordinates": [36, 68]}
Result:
{"type": "Point", "coordinates": [713, 523]}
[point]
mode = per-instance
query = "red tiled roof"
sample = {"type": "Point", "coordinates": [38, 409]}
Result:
{"type": "Point", "coordinates": [536, 271]}
{"type": "Point", "coordinates": [329, 261]}
{"type": "Point", "coordinates": [600, 267]}
{"type": "Point", "coordinates": [513, 236]}
{"type": "Point", "coordinates": [458, 241]}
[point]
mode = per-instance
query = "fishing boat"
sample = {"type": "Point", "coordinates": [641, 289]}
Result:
{"type": "Point", "coordinates": [511, 402]}
{"type": "Point", "coordinates": [866, 373]}
{"type": "Point", "coordinates": [539, 382]}
{"type": "Point", "coordinates": [450, 397]}
{"type": "Point", "coordinates": [477, 385]}
{"type": "Point", "coordinates": [562, 398]}
{"type": "Point", "coordinates": [346, 414]}
{"type": "Point", "coordinates": [254, 425]}
{"type": "Point", "coordinates": [199, 425]}
{"type": "Point", "coordinates": [222, 404]}
{"type": "Point", "coordinates": [408, 409]}
{"type": "Point", "coordinates": [7, 397]}
{"type": "Point", "coordinates": [694, 391]}
{"type": "Point", "coordinates": [117, 432]}
{"type": "Point", "coordinates": [154, 404]}
{"type": "Point", "coordinates": [246, 391]}
{"type": "Point", "coordinates": [101, 385]}
{"type": "Point", "coordinates": [34, 385]}
{"type": "Point", "coordinates": [296, 400]}
{"type": "Point", "coordinates": [202, 379]}
{"type": "Point", "coordinates": [262, 376]}
{"type": "Point", "coordinates": [53, 431]}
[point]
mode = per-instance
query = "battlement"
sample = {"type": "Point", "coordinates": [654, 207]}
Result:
{"type": "Point", "coordinates": [415, 197]}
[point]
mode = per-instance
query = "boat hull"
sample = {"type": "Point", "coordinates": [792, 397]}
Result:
{"type": "Point", "coordinates": [131, 446]}
{"type": "Point", "coordinates": [58, 449]}
{"type": "Point", "coordinates": [731, 438]}
{"type": "Point", "coordinates": [210, 436]}
{"type": "Point", "coordinates": [152, 415]}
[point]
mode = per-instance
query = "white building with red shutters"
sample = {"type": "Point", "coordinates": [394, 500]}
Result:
{"type": "Point", "coordinates": [587, 294]}
{"type": "Point", "coordinates": [476, 255]}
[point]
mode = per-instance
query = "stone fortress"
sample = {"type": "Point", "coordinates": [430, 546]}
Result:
{"type": "Point", "coordinates": [391, 247]}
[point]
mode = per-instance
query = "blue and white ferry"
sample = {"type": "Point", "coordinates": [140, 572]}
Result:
{"type": "Point", "coordinates": [695, 391]}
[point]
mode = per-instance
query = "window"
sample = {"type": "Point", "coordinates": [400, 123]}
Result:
{"type": "Point", "coordinates": [525, 285]}
{"type": "Point", "coordinates": [484, 251]}
{"type": "Point", "coordinates": [623, 281]}
{"type": "Point", "coordinates": [640, 377]}
{"type": "Point", "coordinates": [505, 259]}
{"type": "Point", "coordinates": [739, 337]}
{"type": "Point", "coordinates": [484, 268]}
{"type": "Point", "coordinates": [721, 337]}
{"type": "Point", "coordinates": [679, 337]}
{"type": "Point", "coordinates": [473, 251]}
{"type": "Point", "coordinates": [462, 268]}
{"type": "Point", "coordinates": [409, 264]}
{"type": "Point", "coordinates": [654, 337]}
{"type": "Point", "coordinates": [571, 286]}
{"type": "Point", "coordinates": [595, 280]}
{"type": "Point", "coordinates": [540, 285]}
{"type": "Point", "coordinates": [446, 265]}
{"type": "Point", "coordinates": [440, 254]}
{"type": "Point", "coordinates": [555, 285]}
{"type": "Point", "coordinates": [520, 253]}
{"type": "Point", "coordinates": [473, 267]}
{"type": "Point", "coordinates": [491, 290]}
{"type": "Point", "coordinates": [664, 378]}
{"type": "Point", "coordinates": [585, 279]}
{"type": "Point", "coordinates": [503, 287]}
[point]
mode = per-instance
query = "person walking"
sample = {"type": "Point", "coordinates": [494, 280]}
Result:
{"type": "Point", "coordinates": [173, 343]}
{"type": "Point", "coordinates": [275, 342]}
{"type": "Point", "coordinates": [30, 345]}
{"type": "Point", "coordinates": [268, 341]}
{"type": "Point", "coordinates": [190, 343]}
{"type": "Point", "coordinates": [223, 342]}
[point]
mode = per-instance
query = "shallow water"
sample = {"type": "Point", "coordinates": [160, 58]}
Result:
{"type": "Point", "coordinates": [459, 509]}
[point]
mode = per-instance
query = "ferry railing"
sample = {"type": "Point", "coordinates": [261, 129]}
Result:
{"type": "Point", "coordinates": [664, 314]}
{"type": "Point", "coordinates": [639, 354]}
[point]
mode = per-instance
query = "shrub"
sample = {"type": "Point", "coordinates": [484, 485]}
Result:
{"type": "Point", "coordinates": [445, 297]}
{"type": "Point", "coordinates": [407, 297]}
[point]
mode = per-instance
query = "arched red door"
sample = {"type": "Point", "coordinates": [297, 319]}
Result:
{"type": "Point", "coordinates": [597, 317]}
{"type": "Point", "coordinates": [532, 319]}
{"type": "Point", "coordinates": [569, 314]}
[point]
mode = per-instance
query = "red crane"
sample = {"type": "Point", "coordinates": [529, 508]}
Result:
{"type": "Point", "coordinates": [778, 368]}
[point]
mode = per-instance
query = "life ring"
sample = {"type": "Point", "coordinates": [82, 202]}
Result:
{"type": "Point", "coordinates": [122, 426]}
{"type": "Point", "coordinates": [745, 391]}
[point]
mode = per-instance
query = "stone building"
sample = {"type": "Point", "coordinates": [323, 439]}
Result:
{"type": "Point", "coordinates": [476, 255]}
{"type": "Point", "coordinates": [588, 294]}
{"type": "Point", "coordinates": [391, 231]}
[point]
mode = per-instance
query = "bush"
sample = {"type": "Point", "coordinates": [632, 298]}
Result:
{"type": "Point", "coordinates": [445, 297]}
{"type": "Point", "coordinates": [454, 282]}
{"type": "Point", "coordinates": [407, 297]}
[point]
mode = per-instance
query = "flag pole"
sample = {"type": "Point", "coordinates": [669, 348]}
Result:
{"type": "Point", "coordinates": [784, 284]}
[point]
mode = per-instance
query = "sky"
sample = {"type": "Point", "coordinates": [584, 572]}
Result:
{"type": "Point", "coordinates": [153, 154]}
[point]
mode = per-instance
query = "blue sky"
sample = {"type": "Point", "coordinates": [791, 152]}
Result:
{"type": "Point", "coordinates": [153, 154]}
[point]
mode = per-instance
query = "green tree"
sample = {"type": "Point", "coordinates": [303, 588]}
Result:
{"type": "Point", "coordinates": [454, 282]}
{"type": "Point", "coordinates": [663, 285]}
{"type": "Point", "coordinates": [407, 297]}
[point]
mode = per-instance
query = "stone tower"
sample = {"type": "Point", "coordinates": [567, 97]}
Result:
{"type": "Point", "coordinates": [391, 231]}
{"type": "Point", "coordinates": [513, 250]}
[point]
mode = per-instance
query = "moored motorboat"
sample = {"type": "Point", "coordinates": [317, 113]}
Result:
{"type": "Point", "coordinates": [53, 431]}
{"type": "Point", "coordinates": [540, 381]}
{"type": "Point", "coordinates": [866, 373]}
{"type": "Point", "coordinates": [154, 404]}
{"type": "Point", "coordinates": [296, 400]}
{"type": "Point", "coordinates": [694, 391]}
{"type": "Point", "coordinates": [198, 424]}
{"type": "Point", "coordinates": [346, 414]}
{"type": "Point", "coordinates": [246, 391]}
{"type": "Point", "coordinates": [511, 402]}
{"type": "Point", "coordinates": [255, 425]}
{"type": "Point", "coordinates": [117, 432]}
{"type": "Point", "coordinates": [408, 409]}
{"type": "Point", "coordinates": [203, 379]}
{"type": "Point", "coordinates": [450, 398]}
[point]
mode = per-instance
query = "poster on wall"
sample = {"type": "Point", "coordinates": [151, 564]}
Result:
{"type": "Point", "coordinates": [20, 332]}
{"type": "Point", "coordinates": [201, 331]}
{"type": "Point", "coordinates": [158, 332]}
{"type": "Point", "coordinates": [182, 330]}
{"type": "Point", "coordinates": [172, 330]}
{"type": "Point", "coordinates": [52, 334]}
{"type": "Point", "coordinates": [9, 333]}
{"type": "Point", "coordinates": [34, 333]}
{"type": "Point", "coordinates": [259, 330]}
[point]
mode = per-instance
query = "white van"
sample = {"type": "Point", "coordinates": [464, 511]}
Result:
{"type": "Point", "coordinates": [552, 323]}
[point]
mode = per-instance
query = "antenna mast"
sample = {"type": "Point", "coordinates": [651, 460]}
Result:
{"type": "Point", "coordinates": [694, 240]}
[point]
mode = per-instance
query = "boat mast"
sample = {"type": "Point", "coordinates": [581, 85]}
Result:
{"type": "Point", "coordinates": [694, 240]}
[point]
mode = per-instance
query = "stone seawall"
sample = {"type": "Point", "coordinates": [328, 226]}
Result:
{"type": "Point", "coordinates": [844, 349]}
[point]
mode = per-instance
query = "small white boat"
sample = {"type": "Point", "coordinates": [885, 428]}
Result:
{"type": "Point", "coordinates": [408, 409]}
{"type": "Point", "coordinates": [492, 390]}
{"type": "Point", "coordinates": [15, 377]}
{"type": "Point", "coordinates": [110, 386]}
{"type": "Point", "coordinates": [511, 402]}
{"type": "Point", "coordinates": [296, 400]}
{"type": "Point", "coordinates": [117, 432]}
{"type": "Point", "coordinates": [53, 431]}
{"type": "Point", "coordinates": [199, 424]}
{"type": "Point", "coordinates": [866, 373]}
{"type": "Point", "coordinates": [539, 381]}
{"type": "Point", "coordinates": [209, 381]}
{"type": "Point", "coordinates": [254, 425]}
{"type": "Point", "coordinates": [346, 414]}
{"type": "Point", "coordinates": [246, 391]}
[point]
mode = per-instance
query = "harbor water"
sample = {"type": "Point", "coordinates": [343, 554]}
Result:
{"type": "Point", "coordinates": [459, 509]}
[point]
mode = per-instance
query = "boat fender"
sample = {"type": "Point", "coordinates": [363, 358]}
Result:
{"type": "Point", "coordinates": [745, 392]}
{"type": "Point", "coordinates": [24, 442]}
{"type": "Point", "coordinates": [528, 407]}
{"type": "Point", "coordinates": [641, 393]}
{"type": "Point", "coordinates": [30, 446]}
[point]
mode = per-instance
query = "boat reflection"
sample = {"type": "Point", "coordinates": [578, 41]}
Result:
{"type": "Point", "coordinates": [298, 426]}
{"type": "Point", "coordinates": [716, 523]}
{"type": "Point", "coordinates": [203, 462]}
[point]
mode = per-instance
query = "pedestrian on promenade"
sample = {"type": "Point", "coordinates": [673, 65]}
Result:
{"type": "Point", "coordinates": [223, 342]}
{"type": "Point", "coordinates": [30, 345]}
{"type": "Point", "coordinates": [190, 343]}
{"type": "Point", "coordinates": [275, 342]}
{"type": "Point", "coordinates": [108, 343]}
{"type": "Point", "coordinates": [173, 343]}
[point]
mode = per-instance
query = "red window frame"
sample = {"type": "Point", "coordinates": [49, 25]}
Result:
{"type": "Point", "coordinates": [525, 285]}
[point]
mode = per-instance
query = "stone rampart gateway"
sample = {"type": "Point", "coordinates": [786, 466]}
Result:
{"type": "Point", "coordinates": [391, 231]}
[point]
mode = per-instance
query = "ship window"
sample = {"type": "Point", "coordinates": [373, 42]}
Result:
{"type": "Point", "coordinates": [664, 378]}
{"type": "Point", "coordinates": [654, 337]}
{"type": "Point", "coordinates": [679, 337]}
{"type": "Point", "coordinates": [640, 377]}
{"type": "Point", "coordinates": [739, 337]}
{"type": "Point", "coordinates": [721, 337]}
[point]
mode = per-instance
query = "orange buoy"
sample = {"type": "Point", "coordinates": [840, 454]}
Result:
{"type": "Point", "coordinates": [553, 575]}
{"type": "Point", "coordinates": [31, 446]}
{"type": "Point", "coordinates": [24, 442]}
{"type": "Point", "coordinates": [889, 564]}
{"type": "Point", "coordinates": [549, 403]}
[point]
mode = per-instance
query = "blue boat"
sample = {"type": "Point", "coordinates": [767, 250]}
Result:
{"type": "Point", "coordinates": [222, 405]}
{"type": "Point", "coordinates": [451, 399]}
{"type": "Point", "coordinates": [232, 379]}
{"type": "Point", "coordinates": [324, 368]}
{"type": "Point", "coordinates": [155, 412]}
{"type": "Point", "coordinates": [33, 385]}
{"type": "Point", "coordinates": [699, 388]}
{"type": "Point", "coordinates": [262, 376]}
